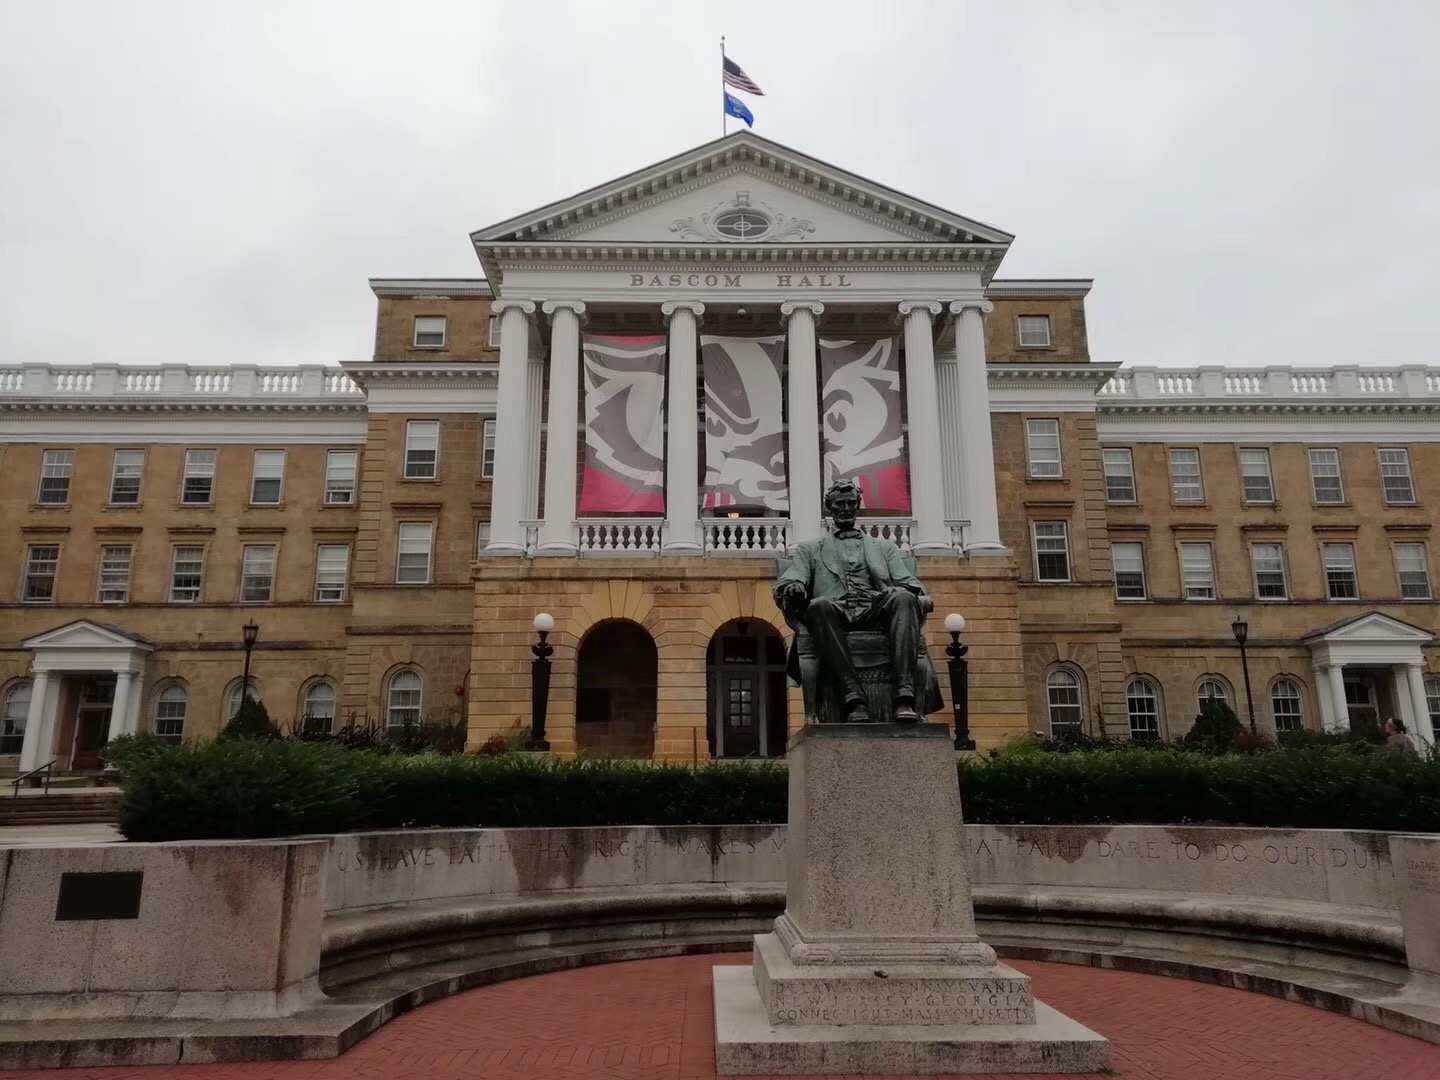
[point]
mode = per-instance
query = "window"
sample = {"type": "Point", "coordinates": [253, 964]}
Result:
{"type": "Point", "coordinates": [197, 486]}
{"type": "Point", "coordinates": [1143, 705]}
{"type": "Point", "coordinates": [1186, 483]}
{"type": "Point", "coordinates": [257, 573]}
{"type": "Point", "coordinates": [340, 477]}
{"type": "Point", "coordinates": [412, 559]}
{"type": "Point", "coordinates": [1395, 475]}
{"type": "Point", "coordinates": [1197, 570]}
{"type": "Point", "coordinates": [1325, 476]}
{"type": "Point", "coordinates": [1256, 483]}
{"type": "Point", "coordinates": [1413, 569]}
{"type": "Point", "coordinates": [487, 449]}
{"type": "Point", "coordinates": [492, 334]}
{"type": "Point", "coordinates": [267, 480]}
{"type": "Point", "coordinates": [171, 704]}
{"type": "Point", "coordinates": [332, 565]}
{"type": "Point", "coordinates": [41, 563]}
{"type": "Point", "coordinates": [1034, 331]}
{"type": "Point", "coordinates": [318, 715]}
{"type": "Point", "coordinates": [187, 566]}
{"type": "Point", "coordinates": [232, 697]}
{"type": "Point", "coordinates": [12, 718]}
{"type": "Point", "coordinates": [1339, 560]}
{"type": "Point", "coordinates": [1286, 705]}
{"type": "Point", "coordinates": [125, 475]}
{"type": "Point", "coordinates": [55, 467]}
{"type": "Point", "coordinates": [1211, 688]}
{"type": "Point", "coordinates": [422, 449]}
{"type": "Point", "coordinates": [1129, 562]}
{"type": "Point", "coordinates": [1063, 692]}
{"type": "Point", "coordinates": [115, 560]}
{"type": "Point", "coordinates": [1268, 563]}
{"type": "Point", "coordinates": [402, 709]}
{"type": "Point", "coordinates": [429, 331]}
{"type": "Point", "coordinates": [1042, 445]}
{"type": "Point", "coordinates": [1432, 701]}
{"type": "Point", "coordinates": [1119, 475]}
{"type": "Point", "coordinates": [1052, 551]}
{"type": "Point", "coordinates": [482, 537]}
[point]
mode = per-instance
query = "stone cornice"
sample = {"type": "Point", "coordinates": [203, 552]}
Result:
{"type": "Point", "coordinates": [1019, 375]}
{"type": "Point", "coordinates": [371, 372]}
{"type": "Point", "coordinates": [1026, 288]}
{"type": "Point", "coordinates": [431, 288]}
{"type": "Point", "coordinates": [637, 257]}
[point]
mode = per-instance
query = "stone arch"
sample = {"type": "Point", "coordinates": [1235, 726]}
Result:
{"type": "Point", "coordinates": [746, 698]}
{"type": "Point", "coordinates": [617, 666]}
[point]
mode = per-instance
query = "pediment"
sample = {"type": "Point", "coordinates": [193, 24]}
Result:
{"type": "Point", "coordinates": [1373, 627]}
{"type": "Point", "coordinates": [84, 634]}
{"type": "Point", "coordinates": [742, 190]}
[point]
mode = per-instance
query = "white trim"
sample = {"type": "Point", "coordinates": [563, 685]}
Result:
{"type": "Point", "coordinates": [1037, 288]}
{"type": "Point", "coordinates": [431, 288]}
{"type": "Point", "coordinates": [213, 429]}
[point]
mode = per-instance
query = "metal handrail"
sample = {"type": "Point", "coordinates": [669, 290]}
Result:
{"type": "Point", "coordinates": [46, 769]}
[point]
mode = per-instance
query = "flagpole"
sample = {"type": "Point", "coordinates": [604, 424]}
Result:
{"type": "Point", "coordinates": [724, 121]}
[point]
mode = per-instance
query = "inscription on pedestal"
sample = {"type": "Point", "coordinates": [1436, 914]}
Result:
{"type": "Point", "coordinates": [985, 1001]}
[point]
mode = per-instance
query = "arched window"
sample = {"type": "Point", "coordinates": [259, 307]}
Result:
{"type": "Point", "coordinates": [171, 705]}
{"type": "Point", "coordinates": [1063, 689]}
{"type": "Point", "coordinates": [1211, 687]}
{"type": "Point", "coordinates": [402, 706]}
{"type": "Point", "coordinates": [12, 717]}
{"type": "Point", "coordinates": [318, 712]}
{"type": "Point", "coordinates": [232, 697]}
{"type": "Point", "coordinates": [1143, 705]}
{"type": "Point", "coordinates": [1287, 705]}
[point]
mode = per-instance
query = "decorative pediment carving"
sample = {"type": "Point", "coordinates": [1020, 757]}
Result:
{"type": "Point", "coordinates": [737, 221]}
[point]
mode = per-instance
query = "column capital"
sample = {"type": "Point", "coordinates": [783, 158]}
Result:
{"type": "Point", "coordinates": [958, 307]}
{"type": "Point", "coordinates": [550, 307]}
{"type": "Point", "coordinates": [670, 307]}
{"type": "Point", "coordinates": [499, 307]}
{"type": "Point", "coordinates": [907, 308]}
{"type": "Point", "coordinates": [789, 307]}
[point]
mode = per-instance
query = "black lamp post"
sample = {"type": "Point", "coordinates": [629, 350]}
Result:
{"type": "Point", "coordinates": [251, 633]}
{"type": "Point", "coordinates": [1241, 629]}
{"type": "Point", "coordinates": [959, 681]}
{"type": "Point", "coordinates": [540, 682]}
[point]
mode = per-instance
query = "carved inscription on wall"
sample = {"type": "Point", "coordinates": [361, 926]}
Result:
{"type": "Point", "coordinates": [938, 1001]}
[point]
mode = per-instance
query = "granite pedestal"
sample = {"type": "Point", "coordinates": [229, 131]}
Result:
{"type": "Point", "coordinates": [875, 966]}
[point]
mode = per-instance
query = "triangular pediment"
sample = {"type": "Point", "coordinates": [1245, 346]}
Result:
{"type": "Point", "coordinates": [84, 634]}
{"type": "Point", "coordinates": [1372, 627]}
{"type": "Point", "coordinates": [742, 190]}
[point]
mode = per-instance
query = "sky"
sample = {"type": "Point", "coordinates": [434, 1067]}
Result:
{"type": "Point", "coordinates": [204, 182]}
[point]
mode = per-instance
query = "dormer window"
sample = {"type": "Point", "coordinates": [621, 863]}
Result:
{"type": "Point", "coordinates": [1034, 331]}
{"type": "Point", "coordinates": [429, 331]}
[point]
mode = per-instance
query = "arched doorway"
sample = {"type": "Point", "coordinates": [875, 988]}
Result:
{"type": "Point", "coordinates": [745, 690]}
{"type": "Point", "coordinates": [617, 678]}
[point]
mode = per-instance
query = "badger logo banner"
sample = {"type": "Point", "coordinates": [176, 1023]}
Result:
{"type": "Point", "coordinates": [624, 425]}
{"type": "Point", "coordinates": [744, 424]}
{"type": "Point", "coordinates": [862, 422]}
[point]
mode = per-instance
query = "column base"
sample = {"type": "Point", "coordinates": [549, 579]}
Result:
{"type": "Point", "coordinates": [682, 547]}
{"type": "Point", "coordinates": [555, 548]}
{"type": "Point", "coordinates": [501, 547]}
{"type": "Point", "coordinates": [932, 547]}
{"type": "Point", "coordinates": [987, 547]}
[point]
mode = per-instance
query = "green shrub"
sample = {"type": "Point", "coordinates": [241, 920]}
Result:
{"type": "Point", "coordinates": [123, 752]}
{"type": "Point", "coordinates": [251, 721]}
{"type": "Point", "coordinates": [1215, 729]}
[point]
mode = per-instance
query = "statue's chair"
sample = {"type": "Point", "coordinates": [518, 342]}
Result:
{"type": "Point", "coordinates": [871, 655]}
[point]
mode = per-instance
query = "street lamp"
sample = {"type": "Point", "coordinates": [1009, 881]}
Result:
{"type": "Point", "coordinates": [540, 681]}
{"type": "Point", "coordinates": [251, 633]}
{"type": "Point", "coordinates": [1241, 629]}
{"type": "Point", "coordinates": [959, 681]}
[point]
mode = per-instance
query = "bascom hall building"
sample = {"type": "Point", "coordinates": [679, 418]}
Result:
{"type": "Point", "coordinates": [625, 423]}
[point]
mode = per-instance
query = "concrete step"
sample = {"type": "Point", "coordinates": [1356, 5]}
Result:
{"type": "Point", "coordinates": [60, 808]}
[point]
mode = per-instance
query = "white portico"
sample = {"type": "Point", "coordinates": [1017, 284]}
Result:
{"type": "Point", "coordinates": [1355, 658]}
{"type": "Point", "coordinates": [743, 236]}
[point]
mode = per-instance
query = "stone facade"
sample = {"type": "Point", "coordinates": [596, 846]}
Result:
{"type": "Point", "coordinates": [1084, 474]}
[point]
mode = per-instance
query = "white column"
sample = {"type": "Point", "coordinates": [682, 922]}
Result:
{"type": "Point", "coordinates": [1400, 694]}
{"type": "Point", "coordinates": [35, 747]}
{"type": "Point", "coordinates": [977, 459]}
{"type": "Point", "coordinates": [120, 706]}
{"type": "Point", "coordinates": [1324, 698]}
{"type": "Point", "coordinates": [1419, 704]}
{"type": "Point", "coordinates": [802, 451]}
{"type": "Point", "coordinates": [1340, 708]}
{"type": "Point", "coordinates": [682, 455]}
{"type": "Point", "coordinates": [507, 490]}
{"type": "Point", "coordinates": [930, 536]}
{"type": "Point", "coordinates": [137, 703]}
{"type": "Point", "coordinates": [534, 423]}
{"type": "Point", "coordinates": [557, 530]}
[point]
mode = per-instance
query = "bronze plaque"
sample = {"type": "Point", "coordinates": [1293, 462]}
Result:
{"type": "Point", "coordinates": [112, 894]}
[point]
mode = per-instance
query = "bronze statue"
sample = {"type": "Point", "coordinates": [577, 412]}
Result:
{"type": "Point", "coordinates": [857, 609]}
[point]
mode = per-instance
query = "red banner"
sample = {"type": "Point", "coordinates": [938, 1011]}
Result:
{"type": "Point", "coordinates": [862, 421]}
{"type": "Point", "coordinates": [624, 425]}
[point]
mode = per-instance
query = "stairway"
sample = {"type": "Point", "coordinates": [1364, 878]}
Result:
{"type": "Point", "coordinates": [60, 807]}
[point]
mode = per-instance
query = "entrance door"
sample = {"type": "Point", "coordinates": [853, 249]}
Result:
{"type": "Point", "coordinates": [746, 662]}
{"type": "Point", "coordinates": [92, 722]}
{"type": "Point", "coordinates": [1361, 704]}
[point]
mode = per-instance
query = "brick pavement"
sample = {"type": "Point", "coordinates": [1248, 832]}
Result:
{"type": "Point", "coordinates": [651, 1020]}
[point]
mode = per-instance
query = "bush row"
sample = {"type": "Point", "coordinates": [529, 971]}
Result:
{"type": "Point", "coordinates": [253, 788]}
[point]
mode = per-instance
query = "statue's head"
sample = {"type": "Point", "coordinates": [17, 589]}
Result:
{"type": "Point", "coordinates": [842, 502]}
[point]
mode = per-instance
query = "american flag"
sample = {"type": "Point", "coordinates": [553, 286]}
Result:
{"type": "Point", "coordinates": [735, 76]}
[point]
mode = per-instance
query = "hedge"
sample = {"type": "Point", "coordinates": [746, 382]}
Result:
{"type": "Point", "coordinates": [254, 788]}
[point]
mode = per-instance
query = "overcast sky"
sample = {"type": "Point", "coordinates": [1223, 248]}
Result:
{"type": "Point", "coordinates": [1248, 183]}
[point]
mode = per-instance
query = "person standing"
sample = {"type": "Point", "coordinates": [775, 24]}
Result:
{"type": "Point", "coordinates": [1397, 739]}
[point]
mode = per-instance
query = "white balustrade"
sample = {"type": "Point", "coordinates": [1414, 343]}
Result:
{"type": "Point", "coordinates": [1170, 383]}
{"type": "Point", "coordinates": [896, 530]}
{"type": "Point", "coordinates": [1432, 382]}
{"type": "Point", "coordinates": [618, 536]}
{"type": "Point", "coordinates": [1376, 382]}
{"type": "Point", "coordinates": [12, 380]}
{"type": "Point", "coordinates": [745, 536]}
{"type": "Point", "coordinates": [337, 382]}
{"type": "Point", "coordinates": [71, 381]}
{"type": "Point", "coordinates": [210, 382]}
{"type": "Point", "coordinates": [143, 381]}
{"type": "Point", "coordinates": [1117, 385]}
{"type": "Point", "coordinates": [279, 382]}
{"type": "Point", "coordinates": [1244, 382]}
{"type": "Point", "coordinates": [1309, 382]}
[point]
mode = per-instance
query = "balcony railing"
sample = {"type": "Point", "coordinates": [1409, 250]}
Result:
{"type": "Point", "coordinates": [177, 381]}
{"type": "Point", "coordinates": [745, 536]}
{"type": "Point", "coordinates": [618, 536]}
{"type": "Point", "coordinates": [1162, 385]}
{"type": "Point", "coordinates": [723, 538]}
